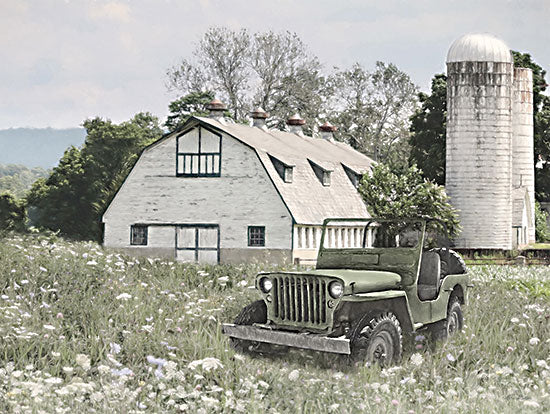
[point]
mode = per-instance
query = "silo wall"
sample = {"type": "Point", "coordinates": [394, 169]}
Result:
{"type": "Point", "coordinates": [522, 145]}
{"type": "Point", "coordinates": [478, 152]}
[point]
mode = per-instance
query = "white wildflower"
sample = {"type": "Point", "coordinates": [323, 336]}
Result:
{"type": "Point", "coordinates": [532, 404]}
{"type": "Point", "coordinates": [115, 348]}
{"type": "Point", "coordinates": [534, 341]}
{"type": "Point", "coordinates": [43, 269]}
{"type": "Point", "coordinates": [294, 375]}
{"type": "Point", "coordinates": [514, 320]}
{"type": "Point", "coordinates": [417, 359]}
{"type": "Point", "coordinates": [53, 380]}
{"type": "Point", "coordinates": [68, 370]}
{"type": "Point", "coordinates": [450, 358]}
{"type": "Point", "coordinates": [49, 327]}
{"type": "Point", "coordinates": [83, 361]}
{"type": "Point", "coordinates": [541, 363]}
{"type": "Point", "coordinates": [124, 296]}
{"type": "Point", "coordinates": [103, 369]}
{"type": "Point", "coordinates": [91, 262]}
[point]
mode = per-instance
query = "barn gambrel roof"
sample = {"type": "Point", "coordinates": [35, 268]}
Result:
{"type": "Point", "coordinates": [307, 199]}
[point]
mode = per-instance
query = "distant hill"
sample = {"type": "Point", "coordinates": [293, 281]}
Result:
{"type": "Point", "coordinates": [37, 147]}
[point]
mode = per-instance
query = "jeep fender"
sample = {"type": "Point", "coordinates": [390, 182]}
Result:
{"type": "Point", "coordinates": [353, 307]}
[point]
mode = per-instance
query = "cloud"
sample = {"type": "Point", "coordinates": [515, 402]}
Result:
{"type": "Point", "coordinates": [111, 11]}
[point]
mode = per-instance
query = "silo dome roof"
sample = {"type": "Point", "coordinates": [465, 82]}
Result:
{"type": "Point", "coordinates": [479, 48]}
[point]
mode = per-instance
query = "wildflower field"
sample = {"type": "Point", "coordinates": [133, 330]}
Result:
{"type": "Point", "coordinates": [87, 330]}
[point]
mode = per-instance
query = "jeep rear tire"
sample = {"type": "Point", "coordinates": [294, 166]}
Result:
{"type": "Point", "coordinates": [455, 319]}
{"type": "Point", "coordinates": [376, 340]}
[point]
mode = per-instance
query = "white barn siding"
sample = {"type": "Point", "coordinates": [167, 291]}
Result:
{"type": "Point", "coordinates": [242, 196]}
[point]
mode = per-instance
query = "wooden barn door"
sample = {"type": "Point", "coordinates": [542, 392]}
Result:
{"type": "Point", "coordinates": [198, 243]}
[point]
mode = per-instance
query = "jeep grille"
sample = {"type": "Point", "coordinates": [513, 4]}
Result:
{"type": "Point", "coordinates": [299, 299]}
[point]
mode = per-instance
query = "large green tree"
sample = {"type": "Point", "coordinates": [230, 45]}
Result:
{"type": "Point", "coordinates": [75, 195]}
{"type": "Point", "coordinates": [192, 104]}
{"type": "Point", "coordinates": [12, 213]}
{"type": "Point", "coordinates": [405, 193]}
{"type": "Point", "coordinates": [428, 128]}
{"type": "Point", "coordinates": [17, 179]}
{"type": "Point", "coordinates": [428, 131]}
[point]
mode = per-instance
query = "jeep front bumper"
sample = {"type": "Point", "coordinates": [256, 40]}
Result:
{"type": "Point", "coordinates": [297, 340]}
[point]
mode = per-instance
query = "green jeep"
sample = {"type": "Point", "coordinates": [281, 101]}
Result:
{"type": "Point", "coordinates": [360, 301]}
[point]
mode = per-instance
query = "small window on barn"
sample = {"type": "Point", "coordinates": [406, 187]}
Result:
{"type": "Point", "coordinates": [322, 173]}
{"type": "Point", "coordinates": [138, 235]}
{"type": "Point", "coordinates": [353, 176]}
{"type": "Point", "coordinates": [256, 236]}
{"type": "Point", "coordinates": [284, 170]}
{"type": "Point", "coordinates": [198, 153]}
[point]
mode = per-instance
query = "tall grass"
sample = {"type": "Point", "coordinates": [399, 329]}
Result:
{"type": "Point", "coordinates": [87, 330]}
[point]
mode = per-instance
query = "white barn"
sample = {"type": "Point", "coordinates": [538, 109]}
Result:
{"type": "Point", "coordinates": [217, 191]}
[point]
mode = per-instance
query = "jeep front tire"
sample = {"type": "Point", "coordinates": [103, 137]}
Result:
{"type": "Point", "coordinates": [376, 340]}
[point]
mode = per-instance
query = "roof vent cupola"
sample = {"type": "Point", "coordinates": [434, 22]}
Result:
{"type": "Point", "coordinates": [295, 123]}
{"type": "Point", "coordinates": [327, 131]}
{"type": "Point", "coordinates": [216, 109]}
{"type": "Point", "coordinates": [258, 117]}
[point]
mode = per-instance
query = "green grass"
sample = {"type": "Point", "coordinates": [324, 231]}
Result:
{"type": "Point", "coordinates": [63, 304]}
{"type": "Point", "coordinates": [535, 246]}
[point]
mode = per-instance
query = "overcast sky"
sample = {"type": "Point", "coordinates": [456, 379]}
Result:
{"type": "Point", "coordinates": [64, 61]}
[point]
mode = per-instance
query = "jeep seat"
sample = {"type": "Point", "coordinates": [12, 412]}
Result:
{"type": "Point", "coordinates": [428, 280]}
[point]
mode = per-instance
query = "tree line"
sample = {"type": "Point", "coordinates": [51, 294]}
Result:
{"type": "Point", "coordinates": [379, 112]}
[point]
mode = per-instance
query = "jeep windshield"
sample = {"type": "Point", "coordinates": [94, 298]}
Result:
{"type": "Point", "coordinates": [372, 233]}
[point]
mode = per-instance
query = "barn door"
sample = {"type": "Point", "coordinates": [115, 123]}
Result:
{"type": "Point", "coordinates": [198, 243]}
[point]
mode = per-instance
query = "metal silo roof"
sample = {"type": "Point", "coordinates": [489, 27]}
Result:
{"type": "Point", "coordinates": [479, 48]}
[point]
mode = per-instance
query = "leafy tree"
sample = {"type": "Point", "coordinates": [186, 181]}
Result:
{"type": "Point", "coordinates": [17, 179]}
{"type": "Point", "coordinates": [272, 70]}
{"type": "Point", "coordinates": [192, 104]}
{"type": "Point", "coordinates": [542, 233]}
{"type": "Point", "coordinates": [373, 110]}
{"type": "Point", "coordinates": [428, 131]}
{"type": "Point", "coordinates": [405, 193]}
{"type": "Point", "coordinates": [12, 213]}
{"type": "Point", "coordinates": [74, 196]}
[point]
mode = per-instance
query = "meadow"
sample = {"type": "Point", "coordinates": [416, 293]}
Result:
{"type": "Point", "coordinates": [87, 330]}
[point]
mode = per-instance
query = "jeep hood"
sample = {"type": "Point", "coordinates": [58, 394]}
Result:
{"type": "Point", "coordinates": [364, 280]}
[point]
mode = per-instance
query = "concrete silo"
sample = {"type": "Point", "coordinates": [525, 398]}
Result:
{"type": "Point", "coordinates": [489, 153]}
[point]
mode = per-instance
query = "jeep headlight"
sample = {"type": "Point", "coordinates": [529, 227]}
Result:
{"type": "Point", "coordinates": [336, 289]}
{"type": "Point", "coordinates": [266, 284]}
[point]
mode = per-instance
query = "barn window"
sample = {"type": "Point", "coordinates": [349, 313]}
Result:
{"type": "Point", "coordinates": [198, 153]}
{"type": "Point", "coordinates": [284, 170]}
{"type": "Point", "coordinates": [256, 236]}
{"type": "Point", "coordinates": [138, 235]}
{"type": "Point", "coordinates": [322, 174]}
{"type": "Point", "coordinates": [353, 176]}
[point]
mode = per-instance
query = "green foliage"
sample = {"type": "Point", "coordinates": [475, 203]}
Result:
{"type": "Point", "coordinates": [192, 104]}
{"type": "Point", "coordinates": [12, 213]}
{"type": "Point", "coordinates": [428, 131]}
{"type": "Point", "coordinates": [404, 193]}
{"type": "Point", "coordinates": [542, 233]}
{"type": "Point", "coordinates": [75, 195]}
{"type": "Point", "coordinates": [17, 179]}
